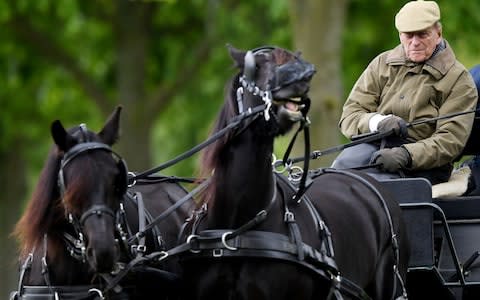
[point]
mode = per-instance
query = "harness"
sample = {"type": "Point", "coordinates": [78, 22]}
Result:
{"type": "Point", "coordinates": [49, 291]}
{"type": "Point", "coordinates": [247, 242]}
{"type": "Point", "coordinates": [76, 292]}
{"type": "Point", "coordinates": [74, 240]}
{"type": "Point", "coordinates": [242, 234]}
{"type": "Point", "coordinates": [244, 241]}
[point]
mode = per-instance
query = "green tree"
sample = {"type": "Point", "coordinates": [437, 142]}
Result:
{"type": "Point", "coordinates": [164, 61]}
{"type": "Point", "coordinates": [318, 27]}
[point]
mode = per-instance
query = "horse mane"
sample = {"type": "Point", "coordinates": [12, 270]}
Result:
{"type": "Point", "coordinates": [42, 210]}
{"type": "Point", "coordinates": [210, 158]}
{"type": "Point", "coordinates": [45, 212]}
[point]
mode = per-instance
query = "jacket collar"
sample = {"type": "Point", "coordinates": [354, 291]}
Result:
{"type": "Point", "coordinates": [437, 66]}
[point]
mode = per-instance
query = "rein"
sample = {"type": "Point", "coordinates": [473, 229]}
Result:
{"type": "Point", "coordinates": [169, 211]}
{"type": "Point", "coordinates": [251, 113]}
{"type": "Point", "coordinates": [246, 85]}
{"type": "Point", "coordinates": [372, 137]}
{"type": "Point", "coordinates": [305, 126]}
{"type": "Point", "coordinates": [182, 248]}
{"type": "Point", "coordinates": [247, 82]}
{"type": "Point", "coordinates": [246, 242]}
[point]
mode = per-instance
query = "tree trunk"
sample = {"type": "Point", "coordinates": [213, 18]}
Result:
{"type": "Point", "coordinates": [317, 31]}
{"type": "Point", "coordinates": [13, 180]}
{"type": "Point", "coordinates": [132, 35]}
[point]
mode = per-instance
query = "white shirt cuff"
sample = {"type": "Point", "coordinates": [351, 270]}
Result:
{"type": "Point", "coordinates": [373, 121]}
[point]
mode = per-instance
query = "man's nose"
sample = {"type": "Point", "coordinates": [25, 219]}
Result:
{"type": "Point", "coordinates": [415, 39]}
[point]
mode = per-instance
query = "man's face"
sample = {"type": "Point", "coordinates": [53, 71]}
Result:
{"type": "Point", "coordinates": [419, 45]}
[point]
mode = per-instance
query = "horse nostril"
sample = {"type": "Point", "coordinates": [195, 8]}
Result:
{"type": "Point", "coordinates": [103, 259]}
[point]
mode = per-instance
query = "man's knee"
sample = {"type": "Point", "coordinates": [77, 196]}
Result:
{"type": "Point", "coordinates": [355, 156]}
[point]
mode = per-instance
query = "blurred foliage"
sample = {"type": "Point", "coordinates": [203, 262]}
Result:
{"type": "Point", "coordinates": [60, 60]}
{"type": "Point", "coordinates": [187, 121]}
{"type": "Point", "coordinates": [38, 88]}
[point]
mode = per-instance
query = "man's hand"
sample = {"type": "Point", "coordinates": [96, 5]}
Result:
{"type": "Point", "coordinates": [391, 160]}
{"type": "Point", "coordinates": [395, 123]}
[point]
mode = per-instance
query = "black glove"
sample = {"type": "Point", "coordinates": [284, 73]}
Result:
{"type": "Point", "coordinates": [395, 123]}
{"type": "Point", "coordinates": [391, 160]}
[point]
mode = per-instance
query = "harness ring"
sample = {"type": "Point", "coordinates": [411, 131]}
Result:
{"type": "Point", "coordinates": [189, 240]}
{"type": "Point", "coordinates": [224, 241]}
{"type": "Point", "coordinates": [134, 180]}
{"type": "Point", "coordinates": [94, 290]}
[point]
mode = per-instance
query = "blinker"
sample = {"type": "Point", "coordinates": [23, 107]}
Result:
{"type": "Point", "coordinates": [249, 69]}
{"type": "Point", "coordinates": [297, 70]}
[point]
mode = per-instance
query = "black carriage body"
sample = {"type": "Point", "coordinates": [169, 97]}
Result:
{"type": "Point", "coordinates": [444, 241]}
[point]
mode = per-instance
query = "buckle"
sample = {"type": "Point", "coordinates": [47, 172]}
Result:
{"type": "Point", "coordinates": [289, 217]}
{"type": "Point", "coordinates": [217, 252]}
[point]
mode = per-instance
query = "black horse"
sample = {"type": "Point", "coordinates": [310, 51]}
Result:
{"type": "Point", "coordinates": [256, 236]}
{"type": "Point", "coordinates": [75, 230]}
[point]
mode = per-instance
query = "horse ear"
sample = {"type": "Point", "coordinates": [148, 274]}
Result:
{"type": "Point", "coordinates": [62, 138]}
{"type": "Point", "coordinates": [111, 130]}
{"type": "Point", "coordinates": [237, 55]}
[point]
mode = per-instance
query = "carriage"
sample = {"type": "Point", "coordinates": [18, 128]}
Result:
{"type": "Point", "coordinates": [444, 242]}
{"type": "Point", "coordinates": [443, 232]}
{"type": "Point", "coordinates": [323, 234]}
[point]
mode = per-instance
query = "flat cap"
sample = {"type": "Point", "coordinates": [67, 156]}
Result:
{"type": "Point", "coordinates": [417, 16]}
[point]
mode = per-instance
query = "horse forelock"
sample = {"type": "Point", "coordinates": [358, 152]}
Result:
{"type": "Point", "coordinates": [42, 211]}
{"type": "Point", "coordinates": [282, 56]}
{"type": "Point", "coordinates": [81, 184]}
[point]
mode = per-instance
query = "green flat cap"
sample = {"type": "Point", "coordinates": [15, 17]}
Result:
{"type": "Point", "coordinates": [417, 16]}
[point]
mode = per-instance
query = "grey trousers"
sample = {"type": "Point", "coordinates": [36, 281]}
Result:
{"type": "Point", "coordinates": [359, 156]}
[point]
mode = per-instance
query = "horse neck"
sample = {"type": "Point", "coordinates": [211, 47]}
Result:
{"type": "Point", "coordinates": [59, 266]}
{"type": "Point", "coordinates": [243, 178]}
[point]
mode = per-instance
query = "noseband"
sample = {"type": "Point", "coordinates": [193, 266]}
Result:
{"type": "Point", "coordinates": [284, 75]}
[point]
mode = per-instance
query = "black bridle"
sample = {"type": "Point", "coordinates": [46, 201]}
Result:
{"type": "Point", "coordinates": [76, 245]}
{"type": "Point", "coordinates": [245, 117]}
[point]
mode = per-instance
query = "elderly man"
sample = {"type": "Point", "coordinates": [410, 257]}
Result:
{"type": "Point", "coordinates": [418, 79]}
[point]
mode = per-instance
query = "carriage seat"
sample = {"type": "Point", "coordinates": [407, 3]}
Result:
{"type": "Point", "coordinates": [460, 208]}
{"type": "Point", "coordinates": [415, 198]}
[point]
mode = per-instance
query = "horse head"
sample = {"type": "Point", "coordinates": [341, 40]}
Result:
{"type": "Point", "coordinates": [267, 98]}
{"type": "Point", "coordinates": [277, 78]}
{"type": "Point", "coordinates": [91, 182]}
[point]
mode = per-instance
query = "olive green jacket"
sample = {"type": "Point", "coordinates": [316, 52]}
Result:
{"type": "Point", "coordinates": [393, 85]}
